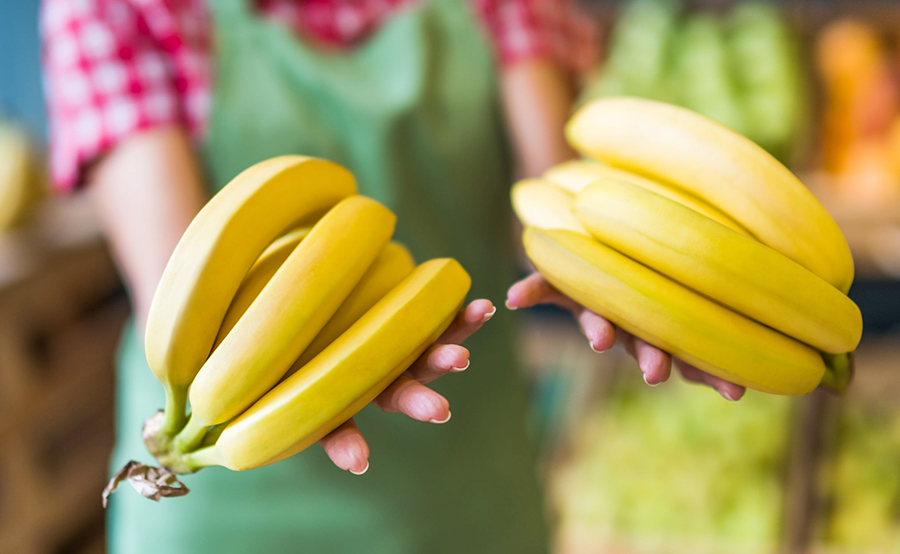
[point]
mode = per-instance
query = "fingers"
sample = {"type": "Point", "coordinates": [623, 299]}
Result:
{"type": "Point", "coordinates": [468, 320]}
{"type": "Point", "coordinates": [601, 334]}
{"type": "Point", "coordinates": [655, 365]}
{"type": "Point", "coordinates": [347, 448]}
{"type": "Point", "coordinates": [534, 290]}
{"type": "Point", "coordinates": [729, 391]}
{"type": "Point", "coordinates": [439, 360]}
{"type": "Point", "coordinates": [412, 398]}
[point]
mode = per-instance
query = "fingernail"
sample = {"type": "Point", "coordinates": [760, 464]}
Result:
{"type": "Point", "coordinates": [648, 382]}
{"type": "Point", "coordinates": [463, 368]}
{"type": "Point", "coordinates": [445, 421]}
{"type": "Point", "coordinates": [509, 306]}
{"type": "Point", "coordinates": [590, 342]}
{"type": "Point", "coordinates": [487, 317]}
{"type": "Point", "coordinates": [727, 396]}
{"type": "Point", "coordinates": [365, 469]}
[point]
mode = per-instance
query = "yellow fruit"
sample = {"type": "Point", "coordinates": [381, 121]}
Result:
{"type": "Point", "coordinates": [290, 311]}
{"type": "Point", "coordinates": [21, 181]}
{"type": "Point", "coordinates": [392, 266]}
{"type": "Point", "coordinates": [671, 316]}
{"type": "Point", "coordinates": [736, 271]}
{"type": "Point", "coordinates": [538, 203]}
{"type": "Point", "coordinates": [575, 175]}
{"type": "Point", "coordinates": [345, 376]}
{"type": "Point", "coordinates": [214, 255]}
{"type": "Point", "coordinates": [262, 270]}
{"type": "Point", "coordinates": [721, 167]}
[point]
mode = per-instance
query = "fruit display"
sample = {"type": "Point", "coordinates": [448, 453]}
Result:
{"type": "Point", "coordinates": [699, 77]}
{"type": "Point", "coordinates": [713, 251]}
{"type": "Point", "coordinates": [283, 311]}
{"type": "Point", "coordinates": [22, 182]}
{"type": "Point", "coordinates": [638, 55]}
{"type": "Point", "coordinates": [742, 70]}
{"type": "Point", "coordinates": [861, 483]}
{"type": "Point", "coordinates": [675, 470]}
{"type": "Point", "coordinates": [861, 113]}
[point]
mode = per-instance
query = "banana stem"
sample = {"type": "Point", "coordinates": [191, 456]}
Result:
{"type": "Point", "coordinates": [191, 436]}
{"type": "Point", "coordinates": [175, 415]}
{"type": "Point", "coordinates": [204, 457]}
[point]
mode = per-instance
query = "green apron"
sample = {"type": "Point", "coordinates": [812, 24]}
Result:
{"type": "Point", "coordinates": [413, 113]}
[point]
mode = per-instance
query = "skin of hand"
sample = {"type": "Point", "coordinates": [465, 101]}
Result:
{"type": "Point", "coordinates": [537, 97]}
{"type": "Point", "coordinates": [146, 191]}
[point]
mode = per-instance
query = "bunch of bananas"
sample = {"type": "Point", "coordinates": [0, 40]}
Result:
{"type": "Point", "coordinates": [696, 240]}
{"type": "Point", "coordinates": [283, 311]}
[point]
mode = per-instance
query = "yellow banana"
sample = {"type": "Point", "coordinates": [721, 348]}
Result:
{"type": "Point", "coordinates": [739, 272]}
{"type": "Point", "coordinates": [391, 267]}
{"type": "Point", "coordinates": [289, 312]}
{"type": "Point", "coordinates": [259, 274]}
{"type": "Point", "coordinates": [671, 316]}
{"type": "Point", "coordinates": [721, 167]}
{"type": "Point", "coordinates": [538, 203]}
{"type": "Point", "coordinates": [345, 376]}
{"type": "Point", "coordinates": [577, 174]}
{"type": "Point", "coordinates": [214, 254]}
{"type": "Point", "coordinates": [21, 183]}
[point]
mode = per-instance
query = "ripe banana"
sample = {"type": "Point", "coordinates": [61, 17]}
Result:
{"type": "Point", "coordinates": [739, 272]}
{"type": "Point", "coordinates": [21, 182]}
{"type": "Point", "coordinates": [721, 167]}
{"type": "Point", "coordinates": [392, 266]}
{"type": "Point", "coordinates": [289, 312]}
{"type": "Point", "coordinates": [257, 277]}
{"type": "Point", "coordinates": [214, 254]}
{"type": "Point", "coordinates": [345, 376]}
{"type": "Point", "coordinates": [671, 316]}
{"type": "Point", "coordinates": [538, 203]}
{"type": "Point", "coordinates": [575, 175]}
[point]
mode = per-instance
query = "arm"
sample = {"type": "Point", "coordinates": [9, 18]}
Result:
{"type": "Point", "coordinates": [536, 99]}
{"type": "Point", "coordinates": [147, 190]}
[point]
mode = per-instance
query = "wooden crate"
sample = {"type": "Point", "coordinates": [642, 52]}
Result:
{"type": "Point", "coordinates": [60, 319]}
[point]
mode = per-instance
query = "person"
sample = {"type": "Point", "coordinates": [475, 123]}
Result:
{"type": "Point", "coordinates": [156, 104]}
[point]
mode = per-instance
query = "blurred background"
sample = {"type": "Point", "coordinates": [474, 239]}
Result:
{"type": "Point", "coordinates": [628, 469]}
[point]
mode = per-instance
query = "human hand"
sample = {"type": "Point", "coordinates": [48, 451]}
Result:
{"type": "Point", "coordinates": [655, 364]}
{"type": "Point", "coordinates": [408, 394]}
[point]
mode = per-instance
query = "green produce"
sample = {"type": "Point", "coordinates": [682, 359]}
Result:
{"type": "Point", "coordinates": [767, 72]}
{"type": "Point", "coordinates": [862, 483]}
{"type": "Point", "coordinates": [638, 52]}
{"type": "Point", "coordinates": [676, 470]}
{"type": "Point", "coordinates": [701, 73]}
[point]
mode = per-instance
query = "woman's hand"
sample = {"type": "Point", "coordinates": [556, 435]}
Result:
{"type": "Point", "coordinates": [655, 364]}
{"type": "Point", "coordinates": [408, 394]}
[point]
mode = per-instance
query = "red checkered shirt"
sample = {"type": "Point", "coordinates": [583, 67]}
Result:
{"type": "Point", "coordinates": [115, 67]}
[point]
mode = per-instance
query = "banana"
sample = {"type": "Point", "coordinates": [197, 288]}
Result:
{"type": "Point", "coordinates": [391, 267]}
{"type": "Point", "coordinates": [575, 175]}
{"type": "Point", "coordinates": [21, 181]}
{"type": "Point", "coordinates": [538, 203]}
{"type": "Point", "coordinates": [259, 274]}
{"type": "Point", "coordinates": [346, 376]}
{"type": "Point", "coordinates": [723, 168]}
{"type": "Point", "coordinates": [739, 272]}
{"type": "Point", "coordinates": [671, 316]}
{"type": "Point", "coordinates": [289, 312]}
{"type": "Point", "coordinates": [214, 254]}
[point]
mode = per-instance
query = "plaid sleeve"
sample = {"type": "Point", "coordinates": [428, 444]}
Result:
{"type": "Point", "coordinates": [558, 30]}
{"type": "Point", "coordinates": [113, 68]}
